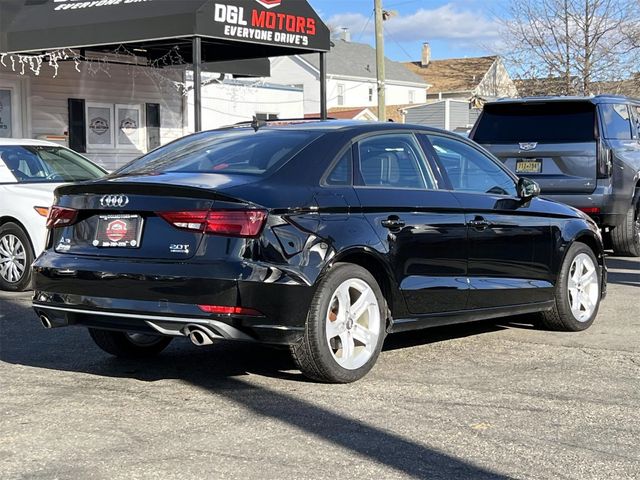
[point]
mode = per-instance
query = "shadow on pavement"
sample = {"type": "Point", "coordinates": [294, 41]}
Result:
{"type": "Point", "coordinates": [630, 275]}
{"type": "Point", "coordinates": [218, 371]}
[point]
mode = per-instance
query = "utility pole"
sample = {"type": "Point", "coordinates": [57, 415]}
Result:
{"type": "Point", "coordinates": [380, 66]}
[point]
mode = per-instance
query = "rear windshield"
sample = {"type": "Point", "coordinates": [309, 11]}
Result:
{"type": "Point", "coordinates": [45, 164]}
{"type": "Point", "coordinates": [557, 122]}
{"type": "Point", "coordinates": [242, 152]}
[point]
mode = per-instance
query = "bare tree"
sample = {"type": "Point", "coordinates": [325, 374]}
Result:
{"type": "Point", "coordinates": [570, 46]}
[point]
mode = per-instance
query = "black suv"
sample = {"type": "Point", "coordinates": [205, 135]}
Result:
{"type": "Point", "coordinates": [583, 151]}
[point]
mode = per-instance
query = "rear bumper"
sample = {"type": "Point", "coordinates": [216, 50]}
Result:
{"type": "Point", "coordinates": [612, 210]}
{"type": "Point", "coordinates": [163, 298]}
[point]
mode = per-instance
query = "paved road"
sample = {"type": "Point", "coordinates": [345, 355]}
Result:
{"type": "Point", "coordinates": [488, 400]}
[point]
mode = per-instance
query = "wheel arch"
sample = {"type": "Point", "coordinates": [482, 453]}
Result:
{"type": "Point", "coordinates": [377, 266]}
{"type": "Point", "coordinates": [9, 219]}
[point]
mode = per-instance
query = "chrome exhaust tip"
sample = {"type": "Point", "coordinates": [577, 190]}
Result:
{"type": "Point", "coordinates": [46, 323]}
{"type": "Point", "coordinates": [200, 338]}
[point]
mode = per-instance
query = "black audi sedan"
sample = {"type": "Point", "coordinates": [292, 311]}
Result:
{"type": "Point", "coordinates": [321, 236]}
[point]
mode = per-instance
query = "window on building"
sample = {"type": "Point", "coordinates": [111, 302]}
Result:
{"type": "Point", "coordinates": [113, 126]}
{"type": "Point", "coordinates": [340, 94]}
{"type": "Point", "coordinates": [371, 94]}
{"type": "Point", "coordinates": [268, 116]}
{"type": "Point", "coordinates": [5, 114]}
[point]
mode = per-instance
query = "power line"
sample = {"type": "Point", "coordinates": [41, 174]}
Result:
{"type": "Point", "coordinates": [386, 31]}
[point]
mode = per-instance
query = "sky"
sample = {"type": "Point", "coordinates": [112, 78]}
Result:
{"type": "Point", "coordinates": [463, 28]}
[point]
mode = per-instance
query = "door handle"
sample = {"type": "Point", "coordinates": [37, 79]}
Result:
{"type": "Point", "coordinates": [479, 223]}
{"type": "Point", "coordinates": [393, 223]}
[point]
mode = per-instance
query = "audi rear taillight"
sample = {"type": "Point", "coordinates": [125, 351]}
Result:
{"type": "Point", "coordinates": [232, 223]}
{"type": "Point", "coordinates": [61, 217]}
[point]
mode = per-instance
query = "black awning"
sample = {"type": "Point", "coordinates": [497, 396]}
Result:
{"type": "Point", "coordinates": [229, 29]}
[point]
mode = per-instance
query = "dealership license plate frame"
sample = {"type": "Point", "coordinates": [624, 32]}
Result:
{"type": "Point", "coordinates": [530, 165]}
{"type": "Point", "coordinates": [101, 239]}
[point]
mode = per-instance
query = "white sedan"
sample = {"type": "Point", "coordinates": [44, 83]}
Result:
{"type": "Point", "coordinates": [30, 170]}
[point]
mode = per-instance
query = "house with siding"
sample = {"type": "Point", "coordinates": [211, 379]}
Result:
{"type": "Point", "coordinates": [463, 78]}
{"type": "Point", "coordinates": [352, 78]}
{"type": "Point", "coordinates": [110, 113]}
{"type": "Point", "coordinates": [449, 114]}
{"type": "Point", "coordinates": [113, 113]}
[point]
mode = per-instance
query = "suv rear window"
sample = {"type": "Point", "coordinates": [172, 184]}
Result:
{"type": "Point", "coordinates": [552, 122]}
{"type": "Point", "coordinates": [243, 152]}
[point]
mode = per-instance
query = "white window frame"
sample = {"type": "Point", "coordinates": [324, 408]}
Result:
{"type": "Point", "coordinates": [137, 146]}
{"type": "Point", "coordinates": [110, 107]}
{"type": "Point", "coordinates": [341, 94]}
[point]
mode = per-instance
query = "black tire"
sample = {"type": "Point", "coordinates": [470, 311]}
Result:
{"type": "Point", "coordinates": [122, 345]}
{"type": "Point", "coordinates": [561, 317]}
{"type": "Point", "coordinates": [626, 237]}
{"type": "Point", "coordinates": [313, 354]}
{"type": "Point", "coordinates": [9, 231]}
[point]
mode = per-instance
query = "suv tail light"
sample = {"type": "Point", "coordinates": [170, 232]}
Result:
{"type": "Point", "coordinates": [61, 217]}
{"type": "Point", "coordinates": [604, 160]}
{"type": "Point", "coordinates": [233, 223]}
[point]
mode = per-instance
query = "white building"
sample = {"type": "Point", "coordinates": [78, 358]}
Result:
{"type": "Point", "coordinates": [232, 101]}
{"type": "Point", "coordinates": [114, 113]}
{"type": "Point", "coordinates": [110, 113]}
{"type": "Point", "coordinates": [351, 78]}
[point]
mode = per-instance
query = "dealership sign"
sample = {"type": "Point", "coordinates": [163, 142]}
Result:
{"type": "Point", "coordinates": [283, 22]}
{"type": "Point", "coordinates": [287, 25]}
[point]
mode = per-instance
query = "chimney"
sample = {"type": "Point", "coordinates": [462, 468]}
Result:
{"type": "Point", "coordinates": [426, 54]}
{"type": "Point", "coordinates": [345, 35]}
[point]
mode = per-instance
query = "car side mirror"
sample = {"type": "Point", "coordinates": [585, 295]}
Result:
{"type": "Point", "coordinates": [528, 189]}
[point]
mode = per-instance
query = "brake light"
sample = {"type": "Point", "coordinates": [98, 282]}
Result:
{"type": "Point", "coordinates": [233, 223]}
{"type": "Point", "coordinates": [604, 160]}
{"type": "Point", "coordinates": [61, 217]}
{"type": "Point", "coordinates": [222, 310]}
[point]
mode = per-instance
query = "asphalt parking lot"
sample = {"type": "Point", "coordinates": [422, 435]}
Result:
{"type": "Point", "coordinates": [487, 400]}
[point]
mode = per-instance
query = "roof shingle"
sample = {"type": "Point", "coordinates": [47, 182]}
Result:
{"type": "Point", "coordinates": [454, 74]}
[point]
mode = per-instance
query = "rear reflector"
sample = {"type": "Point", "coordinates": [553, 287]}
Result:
{"type": "Point", "coordinates": [233, 223]}
{"type": "Point", "coordinates": [222, 310]}
{"type": "Point", "coordinates": [61, 217]}
{"type": "Point", "coordinates": [590, 210]}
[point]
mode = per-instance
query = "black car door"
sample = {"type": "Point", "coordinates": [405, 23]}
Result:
{"type": "Point", "coordinates": [421, 227]}
{"type": "Point", "coordinates": [510, 241]}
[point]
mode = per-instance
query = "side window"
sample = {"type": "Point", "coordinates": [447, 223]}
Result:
{"type": "Point", "coordinates": [469, 170]}
{"type": "Point", "coordinates": [394, 161]}
{"type": "Point", "coordinates": [635, 118]}
{"type": "Point", "coordinates": [342, 171]}
{"type": "Point", "coordinates": [616, 120]}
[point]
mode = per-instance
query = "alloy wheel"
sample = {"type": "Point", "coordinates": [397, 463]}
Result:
{"type": "Point", "coordinates": [353, 324]}
{"type": "Point", "coordinates": [584, 287]}
{"type": "Point", "coordinates": [13, 258]}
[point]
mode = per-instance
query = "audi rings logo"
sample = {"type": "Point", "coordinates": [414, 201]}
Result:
{"type": "Point", "coordinates": [114, 201]}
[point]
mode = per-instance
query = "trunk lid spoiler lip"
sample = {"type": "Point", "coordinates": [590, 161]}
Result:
{"type": "Point", "coordinates": [145, 188]}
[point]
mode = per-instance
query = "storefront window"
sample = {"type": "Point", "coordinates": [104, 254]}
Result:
{"type": "Point", "coordinates": [99, 126]}
{"type": "Point", "coordinates": [5, 114]}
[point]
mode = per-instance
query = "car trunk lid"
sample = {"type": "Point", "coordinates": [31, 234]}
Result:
{"type": "Point", "coordinates": [143, 217]}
